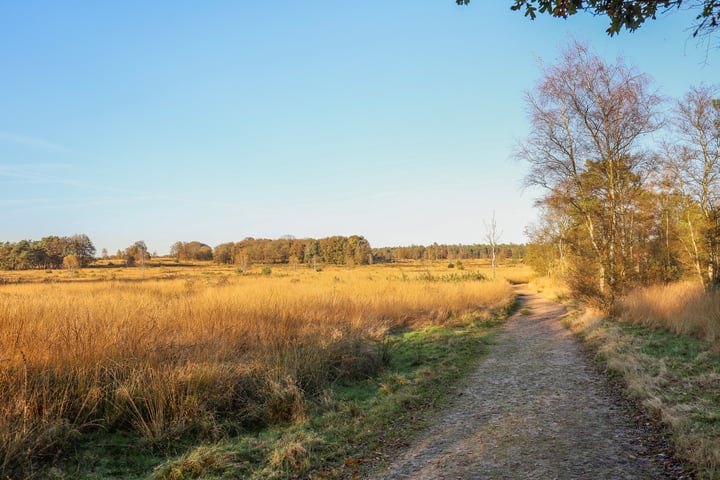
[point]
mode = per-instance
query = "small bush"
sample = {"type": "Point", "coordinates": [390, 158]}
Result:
{"type": "Point", "coordinates": [266, 270]}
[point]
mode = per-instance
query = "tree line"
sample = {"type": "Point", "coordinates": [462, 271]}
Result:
{"type": "Point", "coordinates": [339, 250]}
{"type": "Point", "coordinates": [52, 252]}
{"type": "Point", "coordinates": [448, 252]}
{"type": "Point", "coordinates": [630, 180]}
{"type": "Point", "coordinates": [48, 252]}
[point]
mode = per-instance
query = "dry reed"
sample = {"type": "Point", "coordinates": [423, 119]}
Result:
{"type": "Point", "coordinates": [168, 358]}
{"type": "Point", "coordinates": [682, 308]}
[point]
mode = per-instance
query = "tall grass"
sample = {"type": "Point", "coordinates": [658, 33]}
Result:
{"type": "Point", "coordinates": [198, 355]}
{"type": "Point", "coordinates": [673, 377]}
{"type": "Point", "coordinates": [551, 288]}
{"type": "Point", "coordinates": [682, 308]}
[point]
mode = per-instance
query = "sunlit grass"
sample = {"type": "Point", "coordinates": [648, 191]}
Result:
{"type": "Point", "coordinates": [165, 269]}
{"type": "Point", "coordinates": [177, 350]}
{"type": "Point", "coordinates": [551, 288]}
{"type": "Point", "coordinates": [682, 308]}
{"type": "Point", "coordinates": [673, 377]}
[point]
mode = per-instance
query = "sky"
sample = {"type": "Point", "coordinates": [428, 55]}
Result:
{"type": "Point", "coordinates": [214, 121]}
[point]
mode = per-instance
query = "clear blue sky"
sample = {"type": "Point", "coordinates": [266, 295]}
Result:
{"type": "Point", "coordinates": [214, 121]}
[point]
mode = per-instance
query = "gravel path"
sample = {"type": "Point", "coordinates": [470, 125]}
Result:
{"type": "Point", "coordinates": [534, 409]}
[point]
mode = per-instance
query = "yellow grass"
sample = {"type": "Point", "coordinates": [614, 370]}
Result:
{"type": "Point", "coordinates": [551, 288]}
{"type": "Point", "coordinates": [164, 268]}
{"type": "Point", "coordinates": [671, 382]}
{"type": "Point", "coordinates": [683, 308]}
{"type": "Point", "coordinates": [184, 349]}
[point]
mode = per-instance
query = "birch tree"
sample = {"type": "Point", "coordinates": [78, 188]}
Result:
{"type": "Point", "coordinates": [584, 149]}
{"type": "Point", "coordinates": [693, 161]}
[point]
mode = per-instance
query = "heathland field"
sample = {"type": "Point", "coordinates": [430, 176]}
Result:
{"type": "Point", "coordinates": [163, 359]}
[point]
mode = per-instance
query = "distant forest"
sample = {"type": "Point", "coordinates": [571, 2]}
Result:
{"type": "Point", "coordinates": [336, 250]}
{"type": "Point", "coordinates": [448, 252]}
{"type": "Point", "coordinates": [54, 252]}
{"type": "Point", "coordinates": [49, 252]}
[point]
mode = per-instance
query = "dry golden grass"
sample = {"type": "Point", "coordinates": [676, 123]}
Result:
{"type": "Point", "coordinates": [682, 308]}
{"type": "Point", "coordinates": [550, 288]}
{"type": "Point", "coordinates": [164, 268]}
{"type": "Point", "coordinates": [673, 377]}
{"type": "Point", "coordinates": [185, 349]}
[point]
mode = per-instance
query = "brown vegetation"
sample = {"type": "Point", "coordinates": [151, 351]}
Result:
{"type": "Point", "coordinates": [166, 358]}
{"type": "Point", "coordinates": [682, 308]}
{"type": "Point", "coordinates": [673, 378]}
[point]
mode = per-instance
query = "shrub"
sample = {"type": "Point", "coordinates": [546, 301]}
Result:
{"type": "Point", "coordinates": [71, 262]}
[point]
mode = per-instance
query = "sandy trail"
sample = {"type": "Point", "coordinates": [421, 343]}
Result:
{"type": "Point", "coordinates": [534, 409]}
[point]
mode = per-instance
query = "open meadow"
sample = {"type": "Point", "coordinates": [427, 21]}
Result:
{"type": "Point", "coordinates": [204, 351]}
{"type": "Point", "coordinates": [322, 233]}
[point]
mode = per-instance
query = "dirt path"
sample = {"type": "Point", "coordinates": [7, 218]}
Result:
{"type": "Point", "coordinates": [534, 409]}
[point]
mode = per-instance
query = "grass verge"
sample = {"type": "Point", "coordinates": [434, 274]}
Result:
{"type": "Point", "coordinates": [675, 379]}
{"type": "Point", "coordinates": [349, 430]}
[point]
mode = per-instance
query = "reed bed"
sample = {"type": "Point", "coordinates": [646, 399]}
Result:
{"type": "Point", "coordinates": [197, 355]}
{"type": "Point", "coordinates": [682, 308]}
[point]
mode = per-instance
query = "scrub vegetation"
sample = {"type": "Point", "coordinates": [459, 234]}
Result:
{"type": "Point", "coordinates": [141, 364]}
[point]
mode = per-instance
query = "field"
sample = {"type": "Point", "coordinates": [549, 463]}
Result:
{"type": "Point", "coordinates": [173, 352]}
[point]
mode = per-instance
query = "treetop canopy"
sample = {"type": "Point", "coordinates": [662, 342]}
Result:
{"type": "Point", "coordinates": [622, 13]}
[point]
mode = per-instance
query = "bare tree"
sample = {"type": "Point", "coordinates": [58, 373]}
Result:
{"type": "Point", "coordinates": [688, 214]}
{"type": "Point", "coordinates": [492, 235]}
{"type": "Point", "coordinates": [587, 118]}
